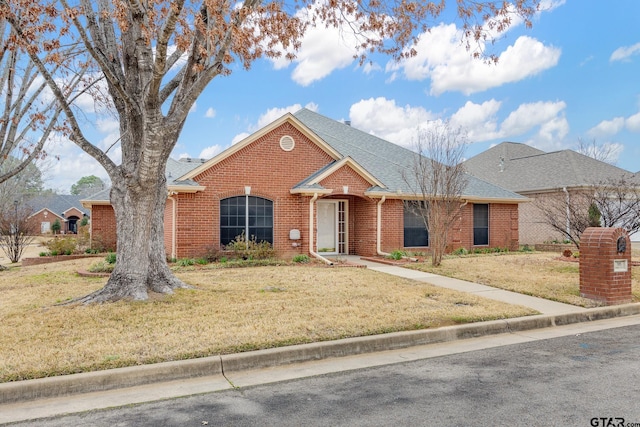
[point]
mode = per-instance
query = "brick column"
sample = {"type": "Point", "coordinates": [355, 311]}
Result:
{"type": "Point", "coordinates": [605, 265]}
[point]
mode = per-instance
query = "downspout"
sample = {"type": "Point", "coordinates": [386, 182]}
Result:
{"type": "Point", "coordinates": [379, 229]}
{"type": "Point", "coordinates": [568, 201]}
{"type": "Point", "coordinates": [311, 224]}
{"type": "Point", "coordinates": [173, 226]}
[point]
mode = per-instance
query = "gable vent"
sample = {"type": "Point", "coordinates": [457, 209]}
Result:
{"type": "Point", "coordinates": [287, 143]}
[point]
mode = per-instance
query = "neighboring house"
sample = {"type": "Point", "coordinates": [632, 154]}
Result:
{"type": "Point", "coordinates": [311, 185]}
{"type": "Point", "coordinates": [537, 175]}
{"type": "Point", "coordinates": [67, 209]}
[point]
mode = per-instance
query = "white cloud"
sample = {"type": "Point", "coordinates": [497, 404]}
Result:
{"type": "Point", "coordinates": [633, 123]}
{"type": "Point", "coordinates": [210, 114]}
{"type": "Point", "coordinates": [607, 128]}
{"type": "Point", "coordinates": [210, 152]}
{"type": "Point", "coordinates": [478, 120]}
{"type": "Point", "coordinates": [383, 118]}
{"type": "Point", "coordinates": [623, 53]}
{"type": "Point", "coordinates": [275, 113]}
{"type": "Point", "coordinates": [269, 116]}
{"type": "Point", "coordinates": [322, 51]}
{"type": "Point", "coordinates": [442, 58]}
{"type": "Point", "coordinates": [531, 115]}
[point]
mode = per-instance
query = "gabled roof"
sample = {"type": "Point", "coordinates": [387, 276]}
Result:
{"type": "Point", "coordinates": [59, 204]}
{"type": "Point", "coordinates": [521, 168]}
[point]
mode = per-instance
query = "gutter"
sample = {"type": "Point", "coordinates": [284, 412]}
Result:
{"type": "Point", "coordinates": [311, 223]}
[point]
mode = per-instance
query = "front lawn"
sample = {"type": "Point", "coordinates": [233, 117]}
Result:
{"type": "Point", "coordinates": [540, 274]}
{"type": "Point", "coordinates": [228, 310]}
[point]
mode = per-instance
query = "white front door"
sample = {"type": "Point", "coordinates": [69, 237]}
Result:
{"type": "Point", "coordinates": [332, 227]}
{"type": "Point", "coordinates": [327, 227]}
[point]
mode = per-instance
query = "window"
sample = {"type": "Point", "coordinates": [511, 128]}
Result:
{"type": "Point", "coordinates": [246, 215]}
{"type": "Point", "coordinates": [415, 232]}
{"type": "Point", "coordinates": [480, 225]}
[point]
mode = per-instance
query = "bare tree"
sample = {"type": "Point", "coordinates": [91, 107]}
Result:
{"type": "Point", "coordinates": [156, 57]}
{"type": "Point", "coordinates": [28, 115]}
{"type": "Point", "coordinates": [604, 152]}
{"type": "Point", "coordinates": [438, 178]}
{"type": "Point", "coordinates": [16, 231]}
{"type": "Point", "coordinates": [572, 211]}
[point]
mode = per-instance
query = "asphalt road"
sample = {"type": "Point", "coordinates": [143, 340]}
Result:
{"type": "Point", "coordinates": [590, 379]}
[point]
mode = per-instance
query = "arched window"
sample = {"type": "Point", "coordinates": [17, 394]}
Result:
{"type": "Point", "coordinates": [250, 216]}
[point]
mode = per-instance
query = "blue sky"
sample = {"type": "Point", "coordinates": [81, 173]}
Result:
{"type": "Point", "coordinates": [573, 75]}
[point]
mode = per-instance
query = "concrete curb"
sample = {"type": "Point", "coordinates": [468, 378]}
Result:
{"type": "Point", "coordinates": [20, 391]}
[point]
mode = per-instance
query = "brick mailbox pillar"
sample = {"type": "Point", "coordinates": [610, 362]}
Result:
{"type": "Point", "coordinates": [605, 265]}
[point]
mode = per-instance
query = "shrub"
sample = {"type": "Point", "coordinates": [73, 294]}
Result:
{"type": "Point", "coordinates": [250, 249]}
{"type": "Point", "coordinates": [568, 253]}
{"type": "Point", "coordinates": [302, 258]}
{"type": "Point", "coordinates": [185, 262]}
{"type": "Point", "coordinates": [56, 226]}
{"type": "Point", "coordinates": [460, 251]}
{"type": "Point", "coordinates": [212, 253]}
{"type": "Point", "coordinates": [101, 267]}
{"type": "Point", "coordinates": [110, 258]}
{"type": "Point", "coordinates": [62, 245]}
{"type": "Point", "coordinates": [397, 255]}
{"type": "Point", "coordinates": [202, 261]}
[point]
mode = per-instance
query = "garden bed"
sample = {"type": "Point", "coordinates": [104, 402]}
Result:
{"type": "Point", "coordinates": [56, 258]}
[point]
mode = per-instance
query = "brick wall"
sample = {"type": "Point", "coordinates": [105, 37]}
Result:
{"type": "Point", "coordinates": [598, 278]}
{"type": "Point", "coordinates": [103, 227]}
{"type": "Point", "coordinates": [533, 227]}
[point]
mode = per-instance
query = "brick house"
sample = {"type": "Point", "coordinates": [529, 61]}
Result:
{"type": "Point", "coordinates": [541, 176]}
{"type": "Point", "coordinates": [66, 209]}
{"type": "Point", "coordinates": [311, 185]}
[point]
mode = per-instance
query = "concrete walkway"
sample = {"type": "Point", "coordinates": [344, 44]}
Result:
{"type": "Point", "coordinates": [542, 305]}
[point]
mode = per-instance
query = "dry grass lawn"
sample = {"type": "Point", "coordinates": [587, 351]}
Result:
{"type": "Point", "coordinates": [228, 310]}
{"type": "Point", "coordinates": [539, 274]}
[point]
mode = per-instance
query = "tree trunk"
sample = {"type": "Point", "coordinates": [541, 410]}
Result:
{"type": "Point", "coordinates": [141, 264]}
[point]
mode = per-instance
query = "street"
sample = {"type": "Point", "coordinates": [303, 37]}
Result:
{"type": "Point", "coordinates": [590, 379]}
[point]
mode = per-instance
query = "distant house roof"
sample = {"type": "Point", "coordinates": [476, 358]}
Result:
{"type": "Point", "coordinates": [521, 168]}
{"type": "Point", "coordinates": [58, 204]}
{"type": "Point", "coordinates": [174, 171]}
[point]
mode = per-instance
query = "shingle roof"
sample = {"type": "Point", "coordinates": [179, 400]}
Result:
{"type": "Point", "coordinates": [522, 169]}
{"type": "Point", "coordinates": [384, 160]}
{"type": "Point", "coordinates": [174, 171]}
{"type": "Point", "coordinates": [56, 203]}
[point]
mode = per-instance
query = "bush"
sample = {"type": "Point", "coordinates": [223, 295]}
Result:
{"type": "Point", "coordinates": [568, 253]}
{"type": "Point", "coordinates": [302, 258]}
{"type": "Point", "coordinates": [212, 253]}
{"type": "Point", "coordinates": [202, 261]}
{"type": "Point", "coordinates": [396, 255]}
{"type": "Point", "coordinates": [101, 267]}
{"type": "Point", "coordinates": [184, 262]}
{"type": "Point", "coordinates": [62, 245]}
{"type": "Point", "coordinates": [110, 258]}
{"type": "Point", "coordinates": [460, 251]}
{"type": "Point", "coordinates": [250, 249]}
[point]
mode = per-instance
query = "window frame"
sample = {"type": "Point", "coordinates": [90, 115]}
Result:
{"type": "Point", "coordinates": [251, 216]}
{"type": "Point", "coordinates": [481, 224]}
{"type": "Point", "coordinates": [409, 234]}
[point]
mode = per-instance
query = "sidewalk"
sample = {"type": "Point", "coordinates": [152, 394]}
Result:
{"type": "Point", "coordinates": [542, 305]}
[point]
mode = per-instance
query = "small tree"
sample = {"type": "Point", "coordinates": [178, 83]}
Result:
{"type": "Point", "coordinates": [594, 215]}
{"type": "Point", "coordinates": [438, 178]}
{"type": "Point", "coordinates": [16, 232]}
{"type": "Point", "coordinates": [87, 185]}
{"type": "Point", "coordinates": [56, 226]}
